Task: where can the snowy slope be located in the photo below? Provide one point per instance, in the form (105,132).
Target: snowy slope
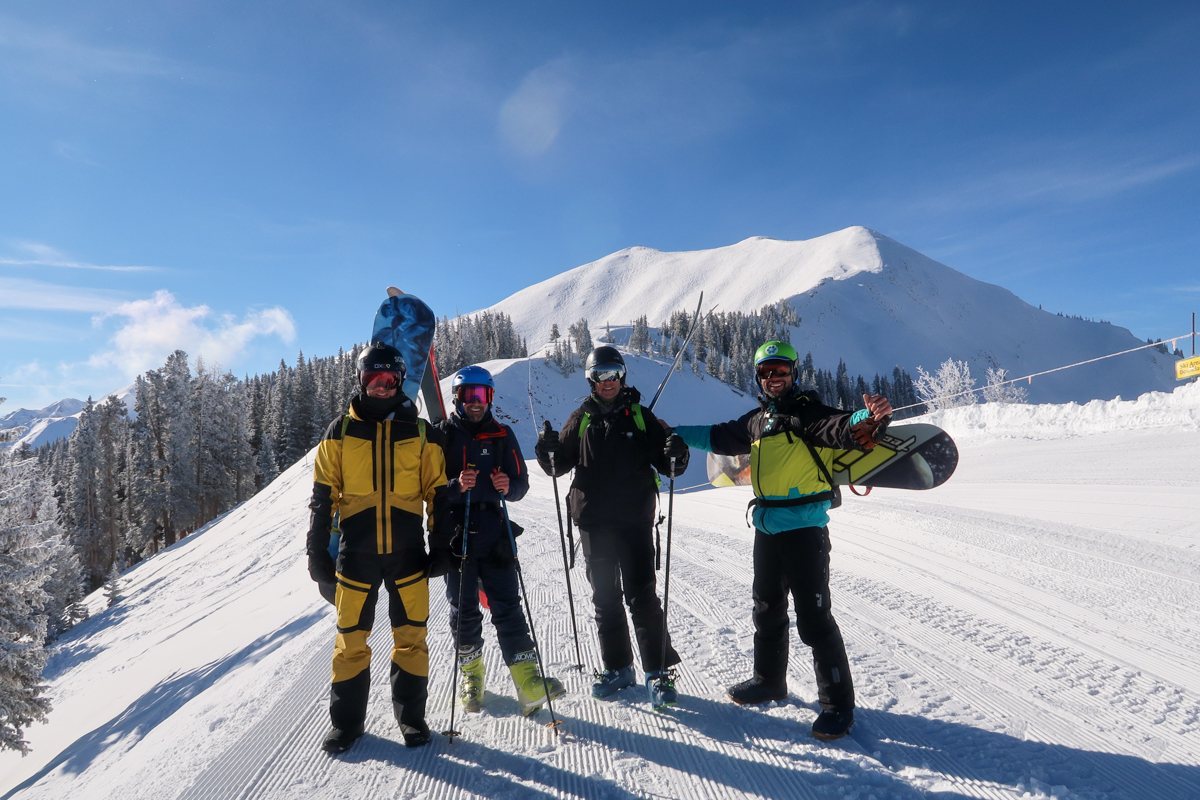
(862,297)
(1030,629)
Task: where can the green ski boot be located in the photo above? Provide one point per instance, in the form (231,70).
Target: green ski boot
(531,688)
(470,665)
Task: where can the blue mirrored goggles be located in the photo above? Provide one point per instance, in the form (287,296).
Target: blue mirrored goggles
(606,372)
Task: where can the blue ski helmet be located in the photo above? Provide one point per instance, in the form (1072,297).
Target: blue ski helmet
(467,379)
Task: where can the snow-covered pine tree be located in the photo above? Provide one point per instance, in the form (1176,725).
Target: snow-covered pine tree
(279,415)
(112,586)
(25,567)
(581,337)
(639,338)
(83,496)
(182,490)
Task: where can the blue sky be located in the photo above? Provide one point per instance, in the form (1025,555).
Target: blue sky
(243,179)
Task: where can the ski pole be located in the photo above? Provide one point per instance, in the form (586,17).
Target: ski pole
(512,541)
(662,665)
(566,567)
(451,733)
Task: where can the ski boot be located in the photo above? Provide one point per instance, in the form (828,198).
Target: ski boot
(339,740)
(612,681)
(470,665)
(531,688)
(661,686)
(830,725)
(416,734)
(756,691)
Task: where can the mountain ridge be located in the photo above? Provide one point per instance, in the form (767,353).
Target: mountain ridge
(864,298)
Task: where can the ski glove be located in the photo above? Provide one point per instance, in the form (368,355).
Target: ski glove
(321,568)
(547,440)
(868,432)
(676,447)
(441,561)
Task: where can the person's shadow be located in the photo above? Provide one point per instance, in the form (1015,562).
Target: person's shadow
(959,759)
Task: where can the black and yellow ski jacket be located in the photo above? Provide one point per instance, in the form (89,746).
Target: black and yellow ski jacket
(378,476)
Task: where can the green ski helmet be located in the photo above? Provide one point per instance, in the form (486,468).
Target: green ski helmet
(776,351)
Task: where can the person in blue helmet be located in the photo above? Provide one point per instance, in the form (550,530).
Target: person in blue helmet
(483,462)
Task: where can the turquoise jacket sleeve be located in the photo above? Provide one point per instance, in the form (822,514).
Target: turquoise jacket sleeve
(696,436)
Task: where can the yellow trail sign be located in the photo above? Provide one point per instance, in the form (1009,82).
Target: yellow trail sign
(1188,368)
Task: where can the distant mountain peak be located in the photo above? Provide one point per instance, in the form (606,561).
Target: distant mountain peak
(862,297)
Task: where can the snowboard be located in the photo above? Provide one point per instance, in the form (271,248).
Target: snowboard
(915,456)
(407,324)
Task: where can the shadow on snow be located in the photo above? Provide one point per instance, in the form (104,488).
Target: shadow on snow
(160,703)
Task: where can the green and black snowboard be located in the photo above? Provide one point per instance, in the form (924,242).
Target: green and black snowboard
(914,456)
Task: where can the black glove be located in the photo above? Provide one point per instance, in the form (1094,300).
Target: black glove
(321,568)
(441,561)
(548,440)
(676,447)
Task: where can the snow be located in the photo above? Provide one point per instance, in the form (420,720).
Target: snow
(56,421)
(862,297)
(1029,629)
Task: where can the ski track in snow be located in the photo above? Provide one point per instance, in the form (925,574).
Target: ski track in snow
(1003,646)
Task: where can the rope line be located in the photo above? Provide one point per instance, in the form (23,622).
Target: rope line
(1044,372)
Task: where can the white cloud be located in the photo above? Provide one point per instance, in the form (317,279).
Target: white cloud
(41,296)
(43,255)
(532,117)
(154,327)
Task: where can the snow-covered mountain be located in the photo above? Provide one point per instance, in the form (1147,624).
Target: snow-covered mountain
(862,297)
(55,421)
(1029,629)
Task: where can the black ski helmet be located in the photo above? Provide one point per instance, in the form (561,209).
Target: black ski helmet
(379,357)
(601,359)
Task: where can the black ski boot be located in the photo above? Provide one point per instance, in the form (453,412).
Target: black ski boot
(415,734)
(339,741)
(755,691)
(830,725)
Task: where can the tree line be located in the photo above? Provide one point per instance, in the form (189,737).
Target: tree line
(723,347)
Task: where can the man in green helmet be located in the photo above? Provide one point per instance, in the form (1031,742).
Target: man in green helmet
(789,438)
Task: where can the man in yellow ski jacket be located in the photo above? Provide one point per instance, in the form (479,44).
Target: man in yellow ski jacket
(378,467)
(789,439)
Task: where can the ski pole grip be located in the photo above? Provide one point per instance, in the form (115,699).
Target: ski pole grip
(547,428)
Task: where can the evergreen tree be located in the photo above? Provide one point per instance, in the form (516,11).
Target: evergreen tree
(26,543)
(581,337)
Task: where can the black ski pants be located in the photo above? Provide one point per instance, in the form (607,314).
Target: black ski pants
(620,561)
(796,562)
(497,571)
(359,577)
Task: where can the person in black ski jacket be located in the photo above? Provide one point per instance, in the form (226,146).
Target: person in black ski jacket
(378,468)
(789,439)
(483,460)
(615,447)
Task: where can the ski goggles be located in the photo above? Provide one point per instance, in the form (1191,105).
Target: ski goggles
(606,372)
(381,379)
(773,369)
(469,395)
